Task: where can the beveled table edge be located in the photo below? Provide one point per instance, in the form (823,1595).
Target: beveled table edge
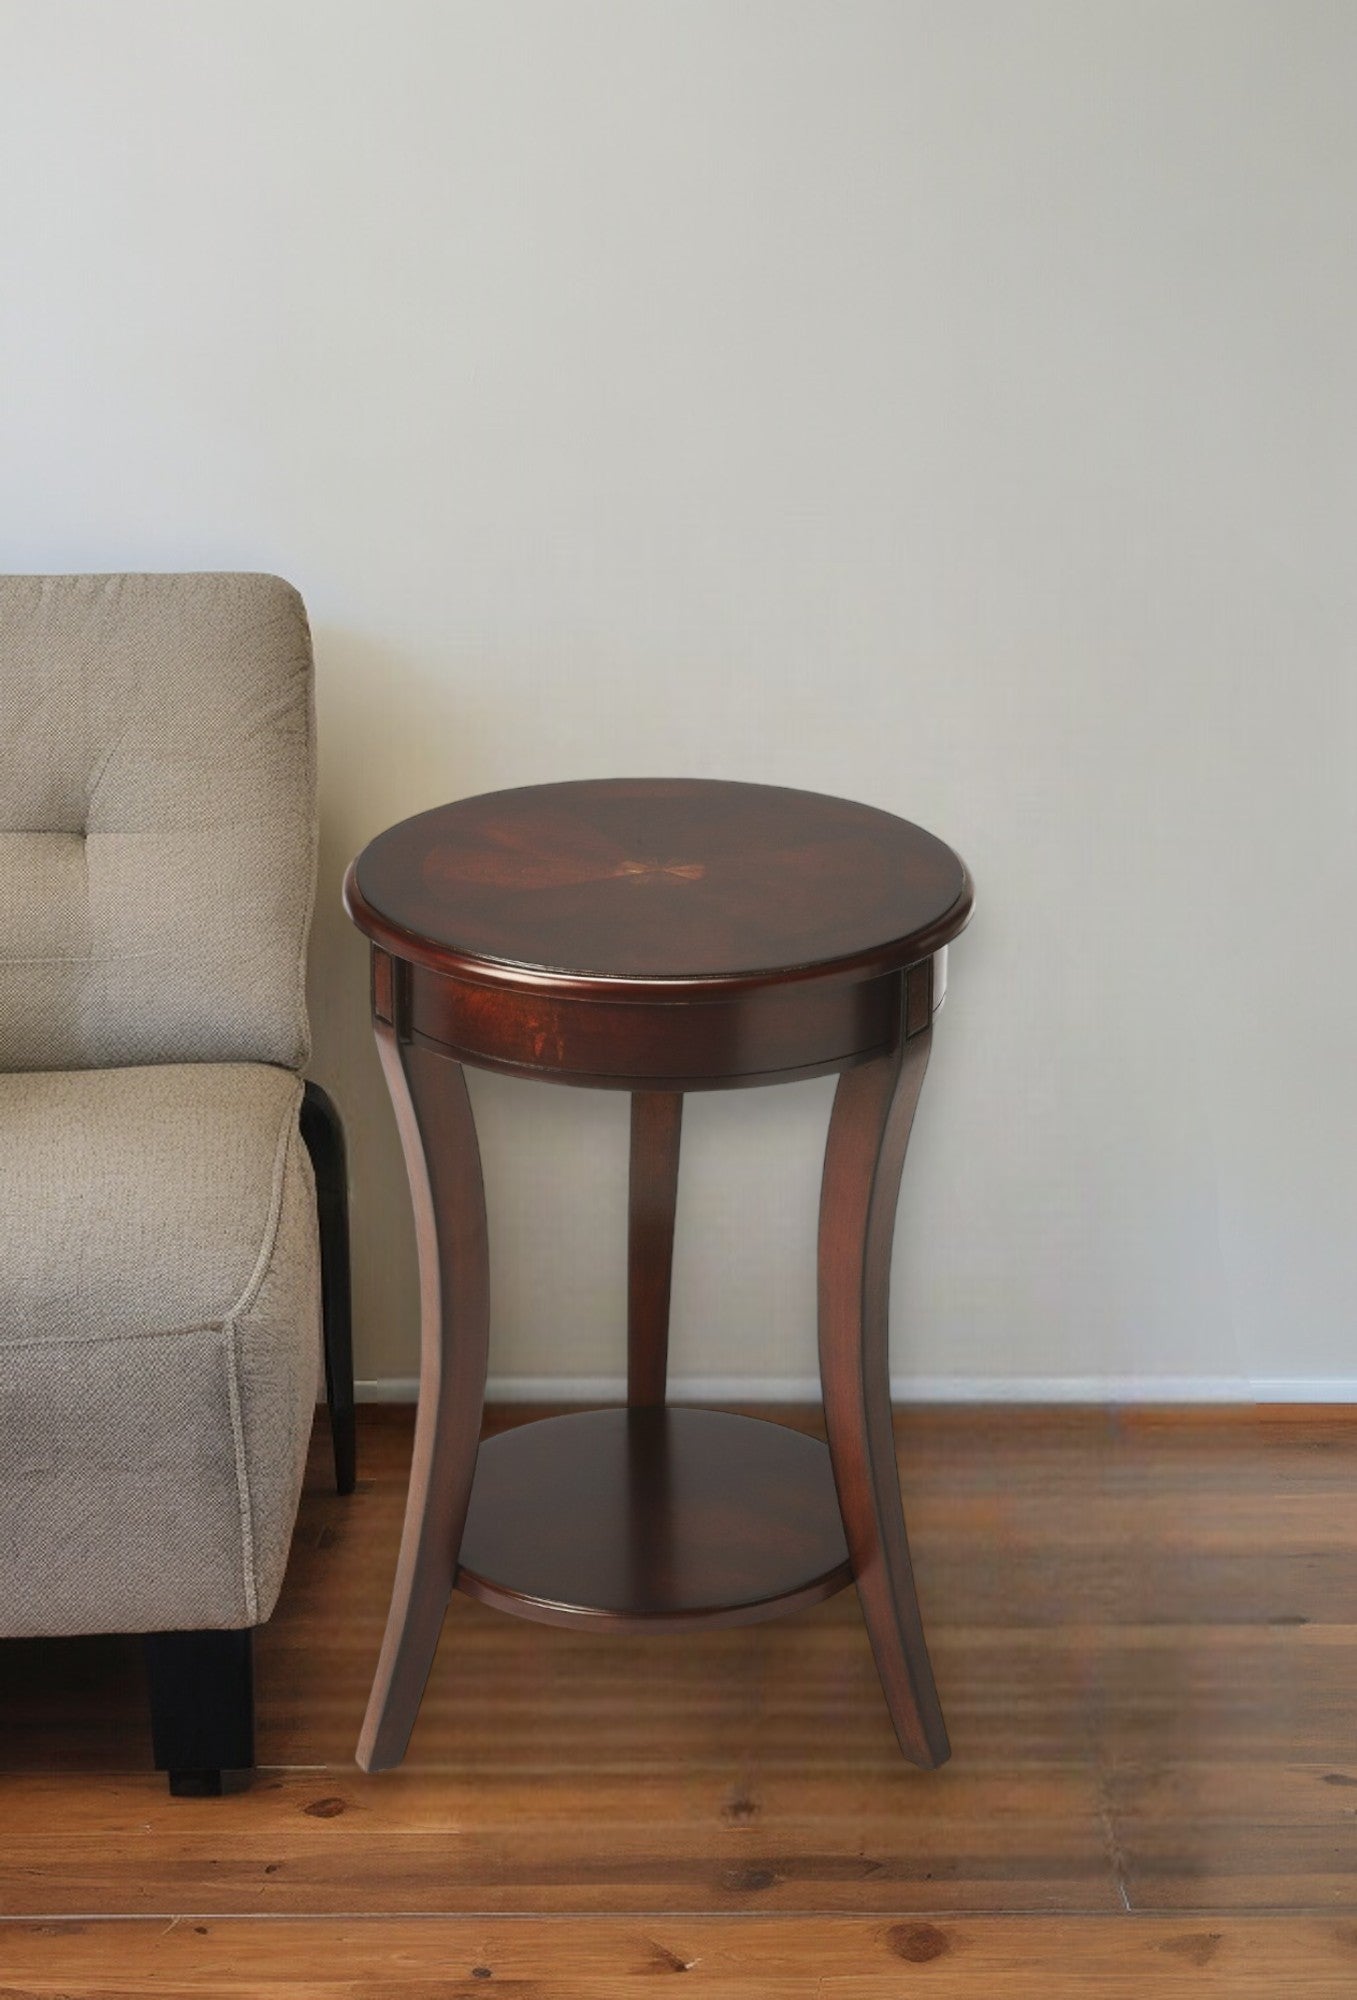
(893,955)
(758,1611)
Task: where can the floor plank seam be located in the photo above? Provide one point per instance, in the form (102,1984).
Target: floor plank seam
(1135,1917)
(1138,1914)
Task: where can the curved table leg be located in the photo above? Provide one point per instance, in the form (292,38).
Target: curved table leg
(656,1122)
(442,1159)
(864,1158)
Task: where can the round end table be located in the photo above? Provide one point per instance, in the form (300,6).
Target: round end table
(655,936)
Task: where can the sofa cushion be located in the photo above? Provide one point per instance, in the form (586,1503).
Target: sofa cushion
(157,820)
(159,1326)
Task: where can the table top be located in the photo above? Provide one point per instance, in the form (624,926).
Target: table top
(657,885)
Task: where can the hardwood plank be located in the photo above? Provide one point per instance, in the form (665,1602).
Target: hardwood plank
(326,1841)
(1188,1694)
(1235,1836)
(808,1958)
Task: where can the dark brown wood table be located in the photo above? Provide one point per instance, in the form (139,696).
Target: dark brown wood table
(655,936)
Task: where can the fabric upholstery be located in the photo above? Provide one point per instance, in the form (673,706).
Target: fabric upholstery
(159,1323)
(159,1269)
(157,820)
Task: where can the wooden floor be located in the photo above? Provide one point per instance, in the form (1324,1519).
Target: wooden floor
(1145,1631)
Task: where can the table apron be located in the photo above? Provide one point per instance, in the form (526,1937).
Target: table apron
(748,1038)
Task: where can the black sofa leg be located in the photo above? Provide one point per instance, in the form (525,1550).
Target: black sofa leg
(324,1136)
(202,1707)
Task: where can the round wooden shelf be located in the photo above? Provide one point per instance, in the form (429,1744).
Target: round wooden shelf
(654,1517)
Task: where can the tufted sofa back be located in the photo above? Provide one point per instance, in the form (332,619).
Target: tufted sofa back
(157,820)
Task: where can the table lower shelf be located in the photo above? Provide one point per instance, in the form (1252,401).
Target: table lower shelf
(646,1519)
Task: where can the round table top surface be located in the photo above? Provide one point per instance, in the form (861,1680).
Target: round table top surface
(657,884)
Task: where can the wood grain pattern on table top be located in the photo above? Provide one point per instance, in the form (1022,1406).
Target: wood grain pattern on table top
(667,885)
(1145,1632)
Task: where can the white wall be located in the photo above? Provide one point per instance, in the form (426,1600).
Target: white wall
(951,405)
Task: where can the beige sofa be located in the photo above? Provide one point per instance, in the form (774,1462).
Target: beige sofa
(160,1262)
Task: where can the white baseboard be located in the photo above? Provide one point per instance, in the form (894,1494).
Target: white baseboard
(591,1389)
